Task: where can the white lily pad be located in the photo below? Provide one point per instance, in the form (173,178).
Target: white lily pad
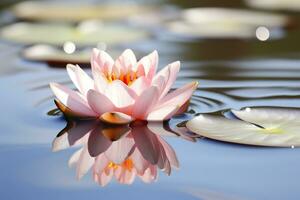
(292,5)
(59,11)
(86,33)
(156,18)
(50,53)
(58,57)
(224,23)
(272,118)
(276,127)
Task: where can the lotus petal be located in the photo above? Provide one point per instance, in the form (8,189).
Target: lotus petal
(119,151)
(149,175)
(179,97)
(147,143)
(163,113)
(139,85)
(169,73)
(125,62)
(120,94)
(147,65)
(74,158)
(85,162)
(72,100)
(98,143)
(145,102)
(101,62)
(99,102)
(81,80)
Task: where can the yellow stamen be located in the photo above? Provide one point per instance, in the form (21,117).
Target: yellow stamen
(127,164)
(133,76)
(109,79)
(114,76)
(121,77)
(112,165)
(127,78)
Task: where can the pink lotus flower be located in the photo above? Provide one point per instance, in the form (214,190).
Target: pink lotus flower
(125,88)
(136,152)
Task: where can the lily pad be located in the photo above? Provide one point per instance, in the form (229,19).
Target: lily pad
(276,127)
(291,5)
(51,54)
(74,12)
(86,33)
(224,23)
(59,57)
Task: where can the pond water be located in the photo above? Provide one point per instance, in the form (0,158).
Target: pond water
(232,74)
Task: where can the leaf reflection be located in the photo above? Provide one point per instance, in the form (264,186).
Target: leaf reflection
(123,152)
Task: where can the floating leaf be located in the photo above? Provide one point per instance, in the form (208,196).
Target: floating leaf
(293,5)
(86,33)
(224,23)
(262,126)
(49,11)
(51,54)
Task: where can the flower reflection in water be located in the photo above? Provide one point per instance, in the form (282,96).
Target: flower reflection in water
(120,151)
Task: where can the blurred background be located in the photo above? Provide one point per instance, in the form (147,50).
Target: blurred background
(189,30)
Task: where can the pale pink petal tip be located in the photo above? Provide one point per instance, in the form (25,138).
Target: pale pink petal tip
(95,51)
(171,104)
(60,143)
(81,80)
(71,101)
(163,113)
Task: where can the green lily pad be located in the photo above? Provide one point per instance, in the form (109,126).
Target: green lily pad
(291,5)
(224,23)
(54,11)
(86,33)
(57,57)
(276,127)
(60,57)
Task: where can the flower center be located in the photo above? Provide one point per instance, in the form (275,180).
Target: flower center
(127,78)
(127,164)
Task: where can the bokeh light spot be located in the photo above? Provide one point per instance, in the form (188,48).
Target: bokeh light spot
(69,47)
(262,33)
